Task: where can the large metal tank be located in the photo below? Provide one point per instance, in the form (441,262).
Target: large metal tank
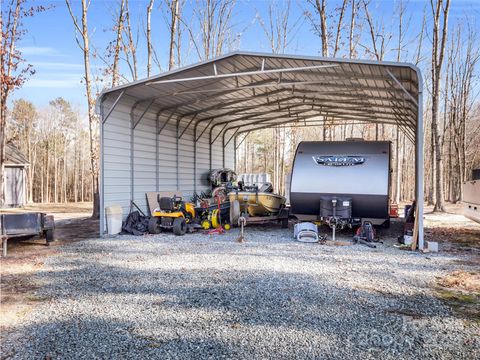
(355,170)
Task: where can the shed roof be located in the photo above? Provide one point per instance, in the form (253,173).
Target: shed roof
(245,91)
(13,156)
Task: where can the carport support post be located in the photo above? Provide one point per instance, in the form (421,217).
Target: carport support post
(132,151)
(235,153)
(223,150)
(102,192)
(195,158)
(210,150)
(419,170)
(176,152)
(157,166)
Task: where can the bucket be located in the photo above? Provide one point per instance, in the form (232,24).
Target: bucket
(113,216)
(432,246)
(407,239)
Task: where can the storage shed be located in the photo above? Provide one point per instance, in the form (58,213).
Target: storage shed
(15,176)
(167,132)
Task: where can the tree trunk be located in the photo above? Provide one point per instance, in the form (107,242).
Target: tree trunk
(65,176)
(323,26)
(55,169)
(75,174)
(149,40)
(437,62)
(174,9)
(92,120)
(339,28)
(9,63)
(431,190)
(351,32)
(3,121)
(118,42)
(47,175)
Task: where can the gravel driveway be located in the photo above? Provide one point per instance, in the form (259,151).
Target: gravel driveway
(196,296)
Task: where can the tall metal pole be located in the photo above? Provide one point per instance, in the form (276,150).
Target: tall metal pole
(419,166)
(157,165)
(102,186)
(177,155)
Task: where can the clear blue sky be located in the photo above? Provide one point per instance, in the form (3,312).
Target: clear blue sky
(50,46)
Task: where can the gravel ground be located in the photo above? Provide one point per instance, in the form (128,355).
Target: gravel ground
(197,296)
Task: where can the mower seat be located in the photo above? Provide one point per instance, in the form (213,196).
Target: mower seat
(166,203)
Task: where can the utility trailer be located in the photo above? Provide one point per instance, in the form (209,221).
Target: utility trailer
(281,217)
(26,226)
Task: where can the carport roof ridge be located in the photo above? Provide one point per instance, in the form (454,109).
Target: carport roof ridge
(245,89)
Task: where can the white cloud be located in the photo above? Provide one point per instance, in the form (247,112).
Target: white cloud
(44,83)
(72,81)
(40,50)
(60,66)
(56,65)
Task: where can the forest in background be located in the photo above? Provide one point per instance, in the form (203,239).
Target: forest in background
(62,144)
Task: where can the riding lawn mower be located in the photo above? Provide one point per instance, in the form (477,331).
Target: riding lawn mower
(172,213)
(180,216)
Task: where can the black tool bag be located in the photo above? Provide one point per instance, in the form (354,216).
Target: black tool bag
(135,224)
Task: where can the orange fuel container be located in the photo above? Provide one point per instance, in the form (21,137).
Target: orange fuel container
(394,210)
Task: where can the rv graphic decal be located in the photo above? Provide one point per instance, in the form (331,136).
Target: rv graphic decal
(338,160)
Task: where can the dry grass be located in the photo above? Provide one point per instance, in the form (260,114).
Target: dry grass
(462,280)
(461,291)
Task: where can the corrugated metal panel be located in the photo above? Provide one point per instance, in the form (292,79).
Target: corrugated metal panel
(116,155)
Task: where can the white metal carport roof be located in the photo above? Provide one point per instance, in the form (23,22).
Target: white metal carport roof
(241,92)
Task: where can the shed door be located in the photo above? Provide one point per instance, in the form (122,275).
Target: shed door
(14,186)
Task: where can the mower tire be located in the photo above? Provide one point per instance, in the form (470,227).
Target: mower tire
(154,225)
(386,224)
(179,226)
(49,236)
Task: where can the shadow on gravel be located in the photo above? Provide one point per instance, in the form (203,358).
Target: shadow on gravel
(205,314)
(98,338)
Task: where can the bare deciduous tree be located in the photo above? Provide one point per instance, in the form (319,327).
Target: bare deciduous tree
(211,32)
(118,42)
(339,28)
(14,72)
(84,45)
(149,37)
(278,28)
(439,9)
(130,43)
(174,16)
(351,43)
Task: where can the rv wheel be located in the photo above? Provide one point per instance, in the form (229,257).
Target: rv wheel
(386,224)
(154,225)
(179,226)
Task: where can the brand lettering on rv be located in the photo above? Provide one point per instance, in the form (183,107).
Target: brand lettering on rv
(338,160)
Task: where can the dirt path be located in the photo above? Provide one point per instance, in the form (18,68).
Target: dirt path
(452,230)
(25,258)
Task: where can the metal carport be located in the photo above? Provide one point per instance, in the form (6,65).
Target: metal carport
(166,132)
